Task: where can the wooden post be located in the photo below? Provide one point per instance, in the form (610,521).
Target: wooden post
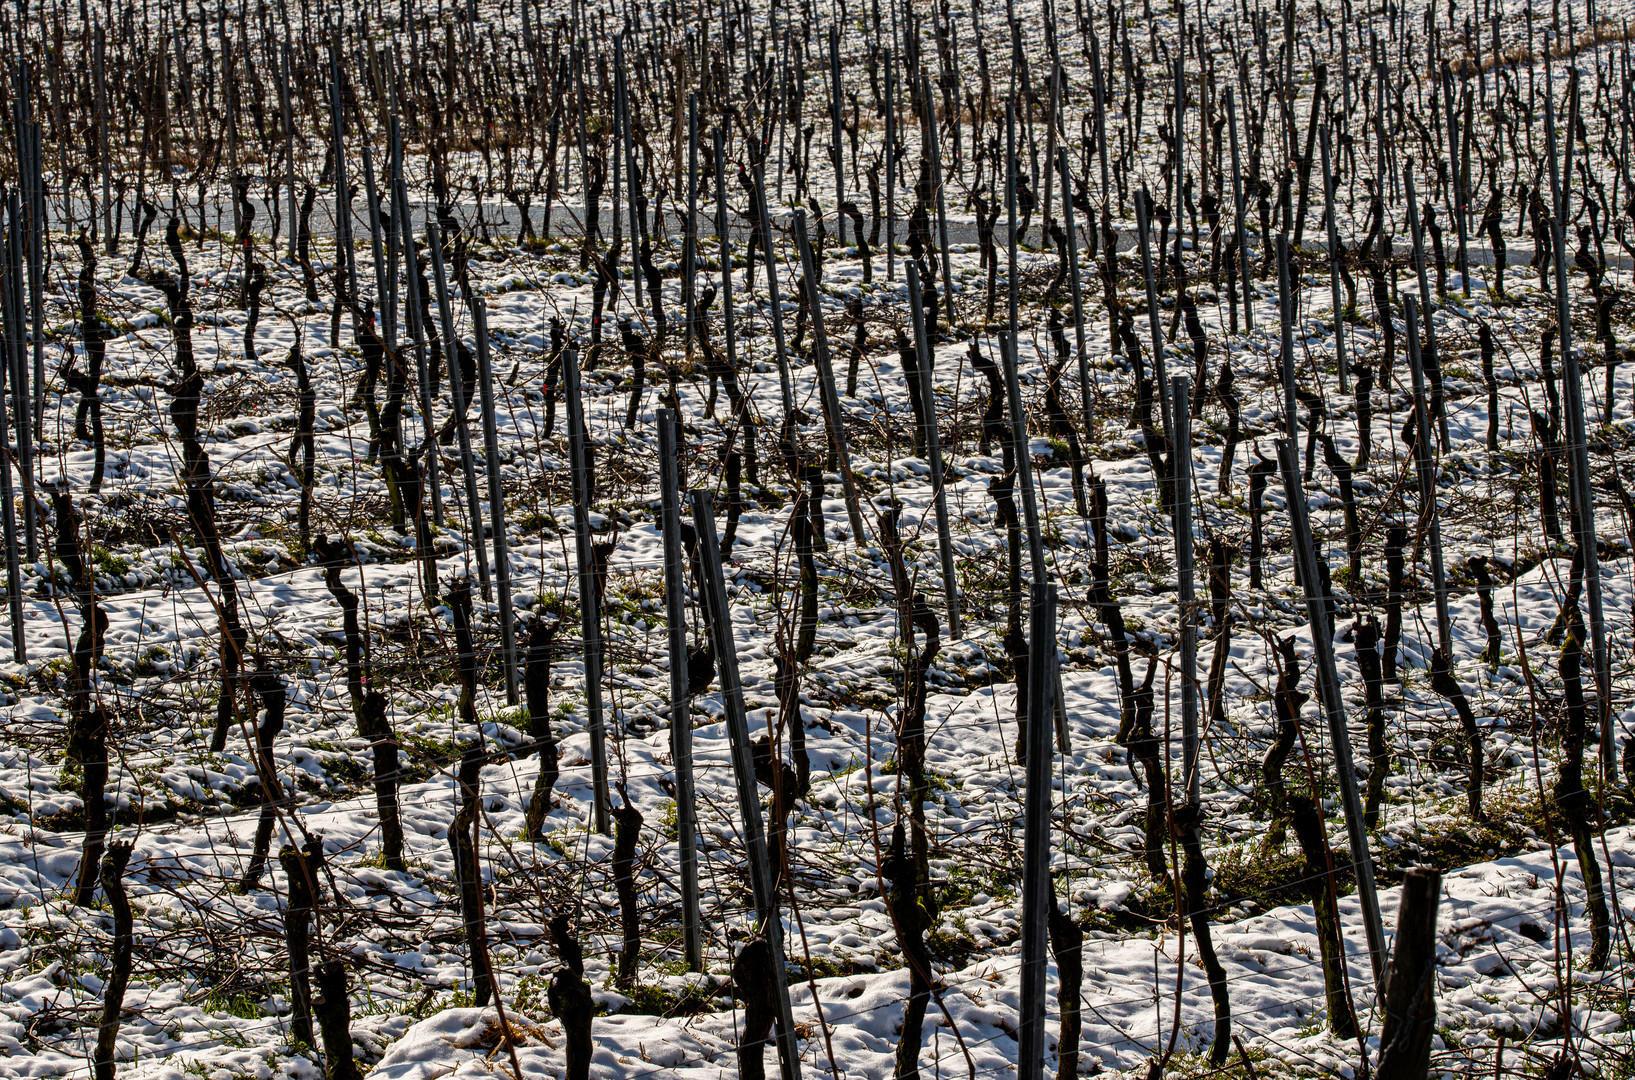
(1180,173)
(1328,690)
(826,379)
(1383,170)
(1186,598)
(1037,895)
(100,75)
(1153,322)
(681,730)
(933,449)
(1186,820)
(1010,217)
(1417,238)
(590,613)
(689,241)
(1238,203)
(13,365)
(932,144)
(1054,109)
(1461,194)
(343,200)
(1428,346)
(1024,460)
(289,148)
(834,129)
(1285,308)
(19,269)
(8,504)
(33,376)
(633,183)
(1333,261)
(782,111)
(1578,445)
(726,253)
(496,499)
(1076,291)
(394,250)
(1430,519)
(371,193)
(462,428)
(1410,993)
(1099,79)
(621,134)
(713,591)
(412,305)
(891,164)
(780,349)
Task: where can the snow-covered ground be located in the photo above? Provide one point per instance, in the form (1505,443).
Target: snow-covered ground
(210,994)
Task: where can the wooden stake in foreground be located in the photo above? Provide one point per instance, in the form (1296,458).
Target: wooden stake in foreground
(713,591)
(1328,691)
(1037,899)
(1410,995)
